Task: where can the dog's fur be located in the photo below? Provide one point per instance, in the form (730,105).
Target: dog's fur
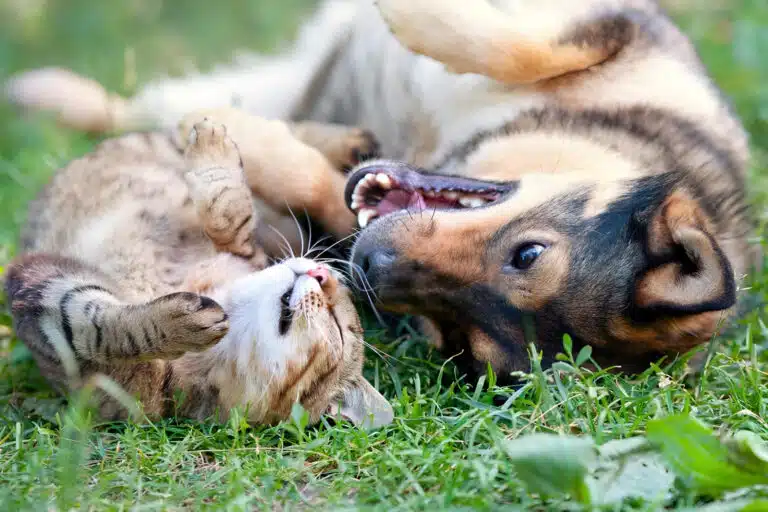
(591,131)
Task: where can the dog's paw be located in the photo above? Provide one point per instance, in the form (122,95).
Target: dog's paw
(359,145)
(78,102)
(409,20)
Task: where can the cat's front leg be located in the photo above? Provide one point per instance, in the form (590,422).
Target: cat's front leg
(62,305)
(288,173)
(218,186)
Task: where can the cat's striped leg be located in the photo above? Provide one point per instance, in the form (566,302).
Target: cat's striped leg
(64,309)
(218,186)
(283,170)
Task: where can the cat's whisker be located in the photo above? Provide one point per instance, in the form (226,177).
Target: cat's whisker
(287,244)
(370,293)
(337,243)
(298,227)
(345,272)
(316,247)
(380,353)
(309,238)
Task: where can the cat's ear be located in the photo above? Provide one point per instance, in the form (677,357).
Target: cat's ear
(361,404)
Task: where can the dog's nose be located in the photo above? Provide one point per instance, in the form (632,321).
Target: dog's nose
(373,263)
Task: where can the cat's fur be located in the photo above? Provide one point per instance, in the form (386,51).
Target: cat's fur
(139,262)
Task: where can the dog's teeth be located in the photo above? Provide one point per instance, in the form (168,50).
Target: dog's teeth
(384,180)
(429,193)
(365,216)
(355,204)
(475,202)
(465,201)
(451,195)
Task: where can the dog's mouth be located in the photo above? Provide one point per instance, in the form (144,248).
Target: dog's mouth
(380,189)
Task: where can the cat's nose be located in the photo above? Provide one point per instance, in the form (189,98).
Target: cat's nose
(320,273)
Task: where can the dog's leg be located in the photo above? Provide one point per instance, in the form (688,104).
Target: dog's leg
(283,171)
(86,105)
(343,146)
(529,43)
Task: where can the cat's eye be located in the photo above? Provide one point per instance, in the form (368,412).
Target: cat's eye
(525,256)
(286,314)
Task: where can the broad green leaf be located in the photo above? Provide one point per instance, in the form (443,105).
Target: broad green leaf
(700,459)
(568,345)
(628,468)
(747,451)
(553,465)
(584,354)
(563,367)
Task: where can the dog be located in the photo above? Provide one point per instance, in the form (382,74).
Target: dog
(550,167)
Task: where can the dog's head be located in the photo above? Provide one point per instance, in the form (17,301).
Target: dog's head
(628,265)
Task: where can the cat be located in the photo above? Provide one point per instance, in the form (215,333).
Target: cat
(140,261)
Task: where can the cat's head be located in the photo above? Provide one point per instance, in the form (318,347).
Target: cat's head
(295,336)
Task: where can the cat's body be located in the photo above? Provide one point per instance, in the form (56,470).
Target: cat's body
(127,270)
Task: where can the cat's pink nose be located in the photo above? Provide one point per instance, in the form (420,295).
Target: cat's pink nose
(320,273)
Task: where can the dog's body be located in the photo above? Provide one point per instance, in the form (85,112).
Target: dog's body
(605,192)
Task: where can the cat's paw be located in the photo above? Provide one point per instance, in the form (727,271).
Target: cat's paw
(188,322)
(224,201)
(210,146)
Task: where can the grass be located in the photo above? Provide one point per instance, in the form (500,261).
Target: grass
(444,449)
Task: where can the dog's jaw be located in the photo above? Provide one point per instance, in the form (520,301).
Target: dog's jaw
(379,188)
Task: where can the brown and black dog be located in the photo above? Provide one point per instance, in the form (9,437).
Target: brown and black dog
(555,166)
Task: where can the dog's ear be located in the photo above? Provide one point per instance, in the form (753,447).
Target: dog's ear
(689,274)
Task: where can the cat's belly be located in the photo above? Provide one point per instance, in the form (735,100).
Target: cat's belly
(147,251)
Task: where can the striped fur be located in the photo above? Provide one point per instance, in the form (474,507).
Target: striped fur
(140,262)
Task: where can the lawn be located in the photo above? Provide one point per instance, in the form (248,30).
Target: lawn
(448,447)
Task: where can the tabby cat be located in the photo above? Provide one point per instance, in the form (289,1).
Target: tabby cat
(140,261)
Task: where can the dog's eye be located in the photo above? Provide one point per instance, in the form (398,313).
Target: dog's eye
(526,255)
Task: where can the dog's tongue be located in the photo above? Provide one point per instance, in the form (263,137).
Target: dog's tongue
(396,200)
